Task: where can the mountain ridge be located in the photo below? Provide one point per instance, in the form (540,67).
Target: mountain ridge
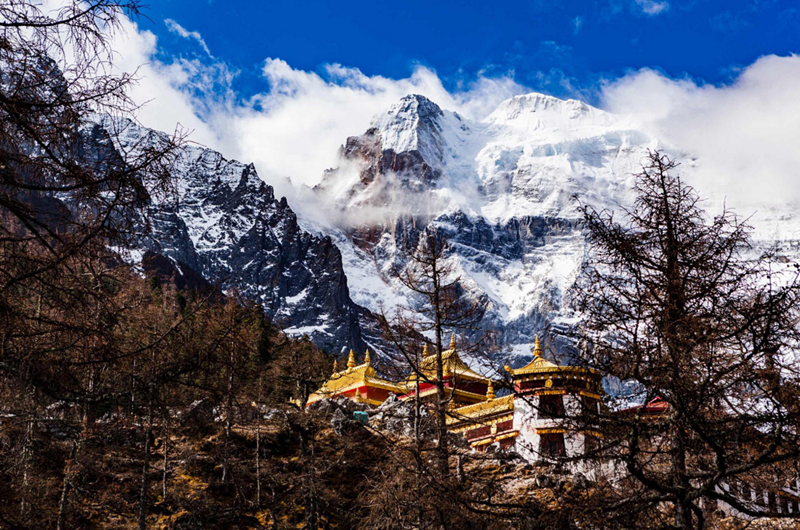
(502,194)
(501,189)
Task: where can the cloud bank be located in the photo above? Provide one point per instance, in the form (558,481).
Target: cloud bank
(295,129)
(743,134)
(291,130)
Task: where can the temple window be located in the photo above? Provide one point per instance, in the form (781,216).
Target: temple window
(552,445)
(772,502)
(590,444)
(551,406)
(759,496)
(589,406)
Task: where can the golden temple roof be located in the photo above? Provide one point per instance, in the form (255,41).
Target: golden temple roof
(481,410)
(537,364)
(540,365)
(452,365)
(355,376)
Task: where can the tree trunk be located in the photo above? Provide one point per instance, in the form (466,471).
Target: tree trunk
(417,406)
(441,402)
(441,412)
(311,505)
(683,511)
(258,458)
(145,468)
(26,460)
(418,440)
(65,485)
(166,459)
(228,424)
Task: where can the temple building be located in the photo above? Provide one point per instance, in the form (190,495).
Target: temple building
(490,422)
(544,393)
(531,419)
(462,385)
(358,382)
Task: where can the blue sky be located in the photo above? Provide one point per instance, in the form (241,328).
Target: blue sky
(560,47)
(283,84)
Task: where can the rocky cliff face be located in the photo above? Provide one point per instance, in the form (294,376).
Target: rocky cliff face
(224,222)
(501,190)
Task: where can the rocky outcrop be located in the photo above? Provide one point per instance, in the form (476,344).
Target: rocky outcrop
(222,225)
(500,190)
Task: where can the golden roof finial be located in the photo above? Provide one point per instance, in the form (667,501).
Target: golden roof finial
(490,391)
(425,350)
(335,366)
(351,361)
(366,357)
(537,348)
(453,341)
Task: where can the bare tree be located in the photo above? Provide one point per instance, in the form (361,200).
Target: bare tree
(445,307)
(679,309)
(68,192)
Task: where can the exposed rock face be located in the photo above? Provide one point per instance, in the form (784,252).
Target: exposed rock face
(404,151)
(225,223)
(414,150)
(501,190)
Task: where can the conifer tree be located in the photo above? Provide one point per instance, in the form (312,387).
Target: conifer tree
(701,330)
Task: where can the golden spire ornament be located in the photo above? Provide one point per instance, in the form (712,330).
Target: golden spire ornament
(425,350)
(351,361)
(453,341)
(537,348)
(366,357)
(335,366)
(490,391)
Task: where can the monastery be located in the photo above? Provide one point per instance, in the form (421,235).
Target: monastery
(527,420)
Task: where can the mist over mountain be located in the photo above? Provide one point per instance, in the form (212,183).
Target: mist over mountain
(504,191)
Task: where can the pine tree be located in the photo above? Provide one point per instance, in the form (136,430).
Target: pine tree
(677,310)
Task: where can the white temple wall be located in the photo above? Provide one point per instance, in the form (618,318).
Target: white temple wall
(527,420)
(525,414)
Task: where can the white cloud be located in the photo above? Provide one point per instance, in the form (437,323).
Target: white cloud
(161,88)
(744,134)
(652,7)
(176,28)
(293,129)
(577,24)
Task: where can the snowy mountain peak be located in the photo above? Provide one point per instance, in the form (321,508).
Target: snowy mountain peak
(535,102)
(537,113)
(501,190)
(412,124)
(414,106)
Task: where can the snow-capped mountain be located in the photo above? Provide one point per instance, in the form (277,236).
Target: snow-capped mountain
(223,222)
(501,189)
